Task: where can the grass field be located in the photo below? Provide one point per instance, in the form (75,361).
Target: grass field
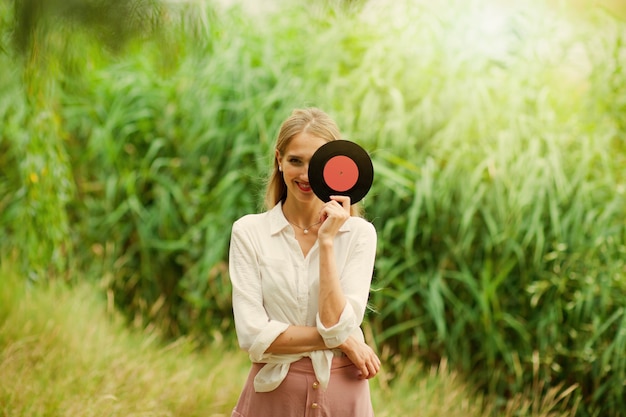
(65,352)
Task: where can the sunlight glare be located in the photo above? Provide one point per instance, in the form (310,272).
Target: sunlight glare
(490,29)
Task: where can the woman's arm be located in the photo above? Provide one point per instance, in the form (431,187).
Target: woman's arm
(297,339)
(331,297)
(255,331)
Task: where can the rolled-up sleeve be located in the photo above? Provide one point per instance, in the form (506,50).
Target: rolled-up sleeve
(355,279)
(338,333)
(255,330)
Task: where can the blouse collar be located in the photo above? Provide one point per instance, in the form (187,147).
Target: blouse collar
(278,221)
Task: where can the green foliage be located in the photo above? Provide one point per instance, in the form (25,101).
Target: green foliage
(12,110)
(113,22)
(36,183)
(499,195)
(501,235)
(179,157)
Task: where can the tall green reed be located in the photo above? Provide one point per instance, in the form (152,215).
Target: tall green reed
(501,172)
(36,174)
(182,152)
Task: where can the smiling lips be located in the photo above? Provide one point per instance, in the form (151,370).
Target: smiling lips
(304,187)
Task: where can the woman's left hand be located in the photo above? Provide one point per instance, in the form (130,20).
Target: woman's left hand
(362,356)
(333,215)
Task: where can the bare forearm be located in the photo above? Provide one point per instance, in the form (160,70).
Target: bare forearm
(297,339)
(331,298)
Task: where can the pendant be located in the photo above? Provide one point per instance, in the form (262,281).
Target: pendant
(306,231)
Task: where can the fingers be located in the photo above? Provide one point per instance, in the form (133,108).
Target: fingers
(333,214)
(363,357)
(343,200)
(369,370)
(374,367)
(338,206)
(369,367)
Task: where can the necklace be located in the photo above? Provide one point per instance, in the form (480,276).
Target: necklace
(304,229)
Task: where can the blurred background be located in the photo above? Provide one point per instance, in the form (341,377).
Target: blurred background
(134,132)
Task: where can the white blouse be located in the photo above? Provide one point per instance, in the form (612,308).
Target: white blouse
(275,285)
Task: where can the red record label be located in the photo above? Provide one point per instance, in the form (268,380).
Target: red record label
(341,173)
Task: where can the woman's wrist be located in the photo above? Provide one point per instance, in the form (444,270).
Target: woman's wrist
(325,242)
(347,345)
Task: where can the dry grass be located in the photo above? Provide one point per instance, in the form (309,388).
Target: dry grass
(63,352)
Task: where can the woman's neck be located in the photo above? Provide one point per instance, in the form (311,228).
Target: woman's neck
(301,214)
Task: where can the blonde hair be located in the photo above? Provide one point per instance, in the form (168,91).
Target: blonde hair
(314,122)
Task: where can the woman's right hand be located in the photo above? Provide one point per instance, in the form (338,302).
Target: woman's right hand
(333,215)
(362,356)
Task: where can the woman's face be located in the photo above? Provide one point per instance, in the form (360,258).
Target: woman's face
(295,165)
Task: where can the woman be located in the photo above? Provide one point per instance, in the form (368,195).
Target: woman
(301,273)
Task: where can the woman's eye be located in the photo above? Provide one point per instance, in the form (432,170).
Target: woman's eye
(294,161)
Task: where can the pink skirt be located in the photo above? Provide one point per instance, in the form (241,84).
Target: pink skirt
(300,395)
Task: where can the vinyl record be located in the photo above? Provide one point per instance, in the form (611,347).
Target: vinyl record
(341,167)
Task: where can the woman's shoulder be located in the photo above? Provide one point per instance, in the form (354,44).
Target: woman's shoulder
(259,224)
(252,220)
(362,225)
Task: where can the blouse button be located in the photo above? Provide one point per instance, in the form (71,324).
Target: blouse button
(315,405)
(316,385)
